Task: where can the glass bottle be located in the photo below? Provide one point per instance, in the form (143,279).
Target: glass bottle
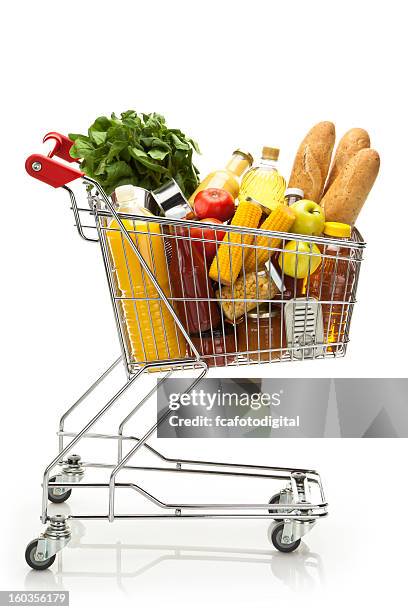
(293,194)
(333,282)
(228,177)
(190,283)
(263,182)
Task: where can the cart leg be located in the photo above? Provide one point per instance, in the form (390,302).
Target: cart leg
(74,441)
(83,397)
(40,553)
(142,440)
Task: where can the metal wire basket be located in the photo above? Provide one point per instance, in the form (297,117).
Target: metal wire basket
(264,316)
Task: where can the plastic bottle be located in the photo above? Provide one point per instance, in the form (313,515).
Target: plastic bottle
(190,282)
(333,282)
(152,332)
(228,177)
(263,182)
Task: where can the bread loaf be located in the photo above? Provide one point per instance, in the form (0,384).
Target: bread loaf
(347,194)
(352,142)
(312,161)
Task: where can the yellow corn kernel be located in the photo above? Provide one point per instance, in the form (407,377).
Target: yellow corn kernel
(227,263)
(280,220)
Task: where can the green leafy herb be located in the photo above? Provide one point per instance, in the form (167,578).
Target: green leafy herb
(137,149)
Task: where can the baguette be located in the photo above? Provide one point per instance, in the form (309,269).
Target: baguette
(312,160)
(346,196)
(352,142)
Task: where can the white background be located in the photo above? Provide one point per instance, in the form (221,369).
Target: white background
(228,74)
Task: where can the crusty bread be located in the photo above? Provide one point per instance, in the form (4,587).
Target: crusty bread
(312,160)
(352,142)
(346,196)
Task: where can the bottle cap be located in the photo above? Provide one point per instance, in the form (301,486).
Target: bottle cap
(337,230)
(270,153)
(294,191)
(125,193)
(244,154)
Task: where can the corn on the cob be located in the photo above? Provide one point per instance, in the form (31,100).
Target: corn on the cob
(280,220)
(227,263)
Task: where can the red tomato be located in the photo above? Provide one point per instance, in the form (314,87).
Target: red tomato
(208,234)
(215,204)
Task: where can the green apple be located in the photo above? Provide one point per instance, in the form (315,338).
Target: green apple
(299,259)
(309,218)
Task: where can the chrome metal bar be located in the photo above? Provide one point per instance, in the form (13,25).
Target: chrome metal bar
(78,222)
(135,409)
(77,438)
(84,396)
(140,443)
(104,517)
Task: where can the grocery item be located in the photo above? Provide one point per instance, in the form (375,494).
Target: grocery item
(312,161)
(304,328)
(138,149)
(281,219)
(347,194)
(208,238)
(262,334)
(171,201)
(151,330)
(228,177)
(352,142)
(189,281)
(219,342)
(293,194)
(214,203)
(256,286)
(299,259)
(263,182)
(228,261)
(309,218)
(333,282)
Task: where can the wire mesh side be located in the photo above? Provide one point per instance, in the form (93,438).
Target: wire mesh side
(296,302)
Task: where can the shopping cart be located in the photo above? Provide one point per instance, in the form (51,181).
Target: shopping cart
(192,326)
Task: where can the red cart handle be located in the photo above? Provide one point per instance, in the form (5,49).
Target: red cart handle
(51,171)
(62,146)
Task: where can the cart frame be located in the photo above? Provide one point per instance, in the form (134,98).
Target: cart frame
(292,507)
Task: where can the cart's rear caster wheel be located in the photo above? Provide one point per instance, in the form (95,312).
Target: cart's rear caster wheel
(275,500)
(33,562)
(277,540)
(55,498)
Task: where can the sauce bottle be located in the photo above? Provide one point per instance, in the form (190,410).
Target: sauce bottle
(228,178)
(150,328)
(263,182)
(333,282)
(190,282)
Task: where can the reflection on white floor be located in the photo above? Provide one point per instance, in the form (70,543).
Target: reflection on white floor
(298,571)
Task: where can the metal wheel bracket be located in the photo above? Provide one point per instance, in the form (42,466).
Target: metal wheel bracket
(72,472)
(294,530)
(55,538)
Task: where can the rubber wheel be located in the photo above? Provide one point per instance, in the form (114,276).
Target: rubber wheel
(58,499)
(32,561)
(277,540)
(275,500)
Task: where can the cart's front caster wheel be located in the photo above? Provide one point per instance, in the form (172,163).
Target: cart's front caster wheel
(33,561)
(275,500)
(279,544)
(55,497)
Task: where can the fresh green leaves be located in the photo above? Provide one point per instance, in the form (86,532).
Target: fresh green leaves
(138,149)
